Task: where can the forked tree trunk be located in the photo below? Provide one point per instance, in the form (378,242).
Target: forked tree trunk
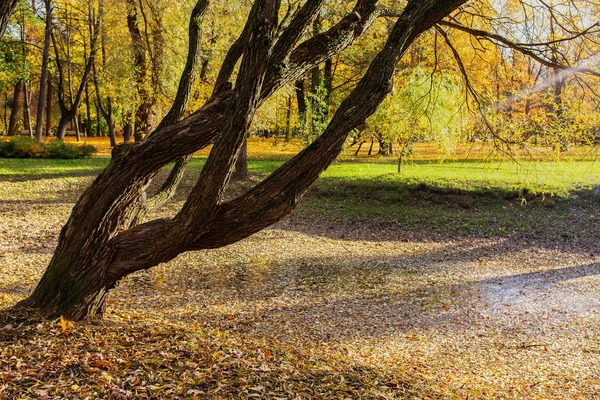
(97,247)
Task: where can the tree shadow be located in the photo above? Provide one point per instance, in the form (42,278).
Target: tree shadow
(353,297)
(53,175)
(545,278)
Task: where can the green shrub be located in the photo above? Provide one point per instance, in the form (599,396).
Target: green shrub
(24,147)
(62,150)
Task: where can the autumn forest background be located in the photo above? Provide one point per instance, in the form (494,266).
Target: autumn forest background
(502,79)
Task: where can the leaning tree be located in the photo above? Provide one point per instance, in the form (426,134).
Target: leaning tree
(104,239)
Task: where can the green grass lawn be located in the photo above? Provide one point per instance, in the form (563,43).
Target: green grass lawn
(505,179)
(493,198)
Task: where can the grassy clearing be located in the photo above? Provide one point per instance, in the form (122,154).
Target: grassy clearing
(489,198)
(379,286)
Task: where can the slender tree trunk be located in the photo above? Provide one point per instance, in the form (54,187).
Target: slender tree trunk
(88,110)
(288,120)
(5,105)
(328,76)
(27,110)
(127,127)
(13,125)
(110,120)
(108,112)
(241,165)
(360,145)
(302,106)
(142,112)
(75,121)
(49,110)
(69,111)
(98,124)
(39,122)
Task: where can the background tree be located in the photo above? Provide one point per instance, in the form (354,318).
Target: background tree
(424,107)
(68,101)
(39,121)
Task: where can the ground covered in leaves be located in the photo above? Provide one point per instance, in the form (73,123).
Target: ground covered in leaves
(320,306)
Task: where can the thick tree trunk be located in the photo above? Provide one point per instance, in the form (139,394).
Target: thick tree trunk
(63,125)
(13,124)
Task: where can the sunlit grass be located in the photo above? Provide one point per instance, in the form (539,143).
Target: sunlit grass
(537,178)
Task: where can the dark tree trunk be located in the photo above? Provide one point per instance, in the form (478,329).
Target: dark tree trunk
(110,120)
(5,111)
(143,110)
(27,110)
(98,124)
(39,122)
(328,85)
(107,112)
(13,124)
(288,120)
(49,110)
(360,145)
(127,127)
(96,249)
(178,109)
(63,124)
(302,106)
(241,164)
(190,71)
(88,112)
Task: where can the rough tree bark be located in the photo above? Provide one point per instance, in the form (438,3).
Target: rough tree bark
(96,249)
(6,9)
(13,124)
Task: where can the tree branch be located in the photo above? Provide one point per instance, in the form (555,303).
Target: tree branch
(515,46)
